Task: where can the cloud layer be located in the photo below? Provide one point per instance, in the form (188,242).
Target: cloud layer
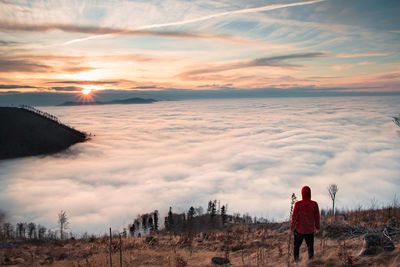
(249,153)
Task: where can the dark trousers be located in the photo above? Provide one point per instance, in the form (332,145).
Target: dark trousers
(298,239)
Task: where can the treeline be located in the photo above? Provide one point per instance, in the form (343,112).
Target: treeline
(33,231)
(53,118)
(26,231)
(144,223)
(194,220)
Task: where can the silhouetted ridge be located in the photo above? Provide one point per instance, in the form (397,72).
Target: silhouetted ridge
(396,120)
(27,131)
(135,100)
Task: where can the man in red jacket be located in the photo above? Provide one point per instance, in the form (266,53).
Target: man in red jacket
(305,219)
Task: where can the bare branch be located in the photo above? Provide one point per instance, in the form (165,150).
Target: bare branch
(333,189)
(63,222)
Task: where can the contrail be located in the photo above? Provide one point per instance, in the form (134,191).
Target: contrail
(216,15)
(101,36)
(226,13)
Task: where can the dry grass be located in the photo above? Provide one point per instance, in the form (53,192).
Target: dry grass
(243,244)
(370,217)
(245,247)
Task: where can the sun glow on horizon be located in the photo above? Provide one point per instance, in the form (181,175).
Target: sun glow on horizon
(86,91)
(92,75)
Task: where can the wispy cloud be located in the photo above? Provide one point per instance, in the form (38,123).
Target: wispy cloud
(349,66)
(142,29)
(8,43)
(276,61)
(77,69)
(146,87)
(362,55)
(215,86)
(13,86)
(78,59)
(22,65)
(390,76)
(36,63)
(107,32)
(86,82)
(66,88)
(233,12)
(104,32)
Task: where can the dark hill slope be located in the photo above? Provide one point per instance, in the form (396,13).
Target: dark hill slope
(26,132)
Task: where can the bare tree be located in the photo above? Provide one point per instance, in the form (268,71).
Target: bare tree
(289,243)
(333,189)
(32,230)
(21,228)
(41,231)
(8,230)
(63,222)
(2,216)
(199,211)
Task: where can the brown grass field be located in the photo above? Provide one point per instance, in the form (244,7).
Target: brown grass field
(243,244)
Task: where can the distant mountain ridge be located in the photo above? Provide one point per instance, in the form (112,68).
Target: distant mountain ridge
(134,100)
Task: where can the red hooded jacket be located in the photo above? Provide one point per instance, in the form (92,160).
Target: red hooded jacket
(305,215)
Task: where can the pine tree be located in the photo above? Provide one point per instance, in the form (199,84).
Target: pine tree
(190,218)
(166,224)
(137,223)
(155,218)
(191,213)
(144,222)
(132,229)
(151,224)
(223,215)
(213,208)
(209,207)
(169,220)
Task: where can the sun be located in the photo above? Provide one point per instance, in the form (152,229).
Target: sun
(86,91)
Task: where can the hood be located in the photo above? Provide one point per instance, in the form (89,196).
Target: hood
(306,193)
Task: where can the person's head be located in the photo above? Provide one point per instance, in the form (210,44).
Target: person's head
(306,193)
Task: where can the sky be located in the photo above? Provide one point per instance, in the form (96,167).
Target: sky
(249,153)
(59,48)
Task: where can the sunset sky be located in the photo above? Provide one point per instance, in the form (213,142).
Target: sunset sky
(229,45)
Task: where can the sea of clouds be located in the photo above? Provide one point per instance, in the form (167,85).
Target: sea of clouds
(249,153)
